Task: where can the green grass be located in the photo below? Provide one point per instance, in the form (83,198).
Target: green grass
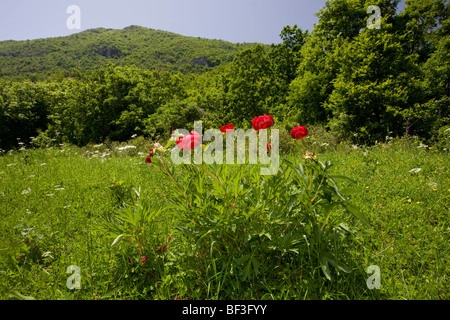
(52,201)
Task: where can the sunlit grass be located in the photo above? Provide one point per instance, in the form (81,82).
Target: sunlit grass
(51,201)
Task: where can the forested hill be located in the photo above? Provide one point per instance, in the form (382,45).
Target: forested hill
(88,50)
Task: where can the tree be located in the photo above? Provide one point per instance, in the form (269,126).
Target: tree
(250,86)
(376,89)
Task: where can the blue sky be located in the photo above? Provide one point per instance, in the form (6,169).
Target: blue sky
(230,20)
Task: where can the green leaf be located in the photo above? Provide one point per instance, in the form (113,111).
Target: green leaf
(332,259)
(338,177)
(325,268)
(18,296)
(355,211)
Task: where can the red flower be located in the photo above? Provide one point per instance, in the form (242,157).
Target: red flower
(189,141)
(168,240)
(144,259)
(163,248)
(262,122)
(299,132)
(149,157)
(226,127)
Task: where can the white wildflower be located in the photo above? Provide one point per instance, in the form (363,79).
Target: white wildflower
(433,185)
(415,170)
(126,147)
(159,147)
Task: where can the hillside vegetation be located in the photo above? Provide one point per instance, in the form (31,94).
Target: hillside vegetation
(362,83)
(94,48)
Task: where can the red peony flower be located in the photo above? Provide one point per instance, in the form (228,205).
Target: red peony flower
(226,127)
(189,141)
(262,122)
(149,157)
(163,248)
(299,132)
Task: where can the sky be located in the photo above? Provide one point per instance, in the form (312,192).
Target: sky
(230,20)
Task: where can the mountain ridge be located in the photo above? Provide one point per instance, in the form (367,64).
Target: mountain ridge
(146,48)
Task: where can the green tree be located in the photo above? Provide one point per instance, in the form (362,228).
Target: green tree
(250,86)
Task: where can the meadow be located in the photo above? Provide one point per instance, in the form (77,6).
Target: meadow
(65,205)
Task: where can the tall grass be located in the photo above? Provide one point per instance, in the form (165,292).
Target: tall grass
(53,202)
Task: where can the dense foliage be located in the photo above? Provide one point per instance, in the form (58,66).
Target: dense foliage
(363,84)
(88,50)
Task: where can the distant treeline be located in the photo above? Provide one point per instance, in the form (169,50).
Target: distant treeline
(362,83)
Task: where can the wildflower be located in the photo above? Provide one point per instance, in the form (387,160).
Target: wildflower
(309,155)
(433,185)
(409,200)
(126,147)
(163,248)
(149,157)
(262,122)
(227,127)
(189,141)
(415,170)
(159,147)
(299,132)
(144,259)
